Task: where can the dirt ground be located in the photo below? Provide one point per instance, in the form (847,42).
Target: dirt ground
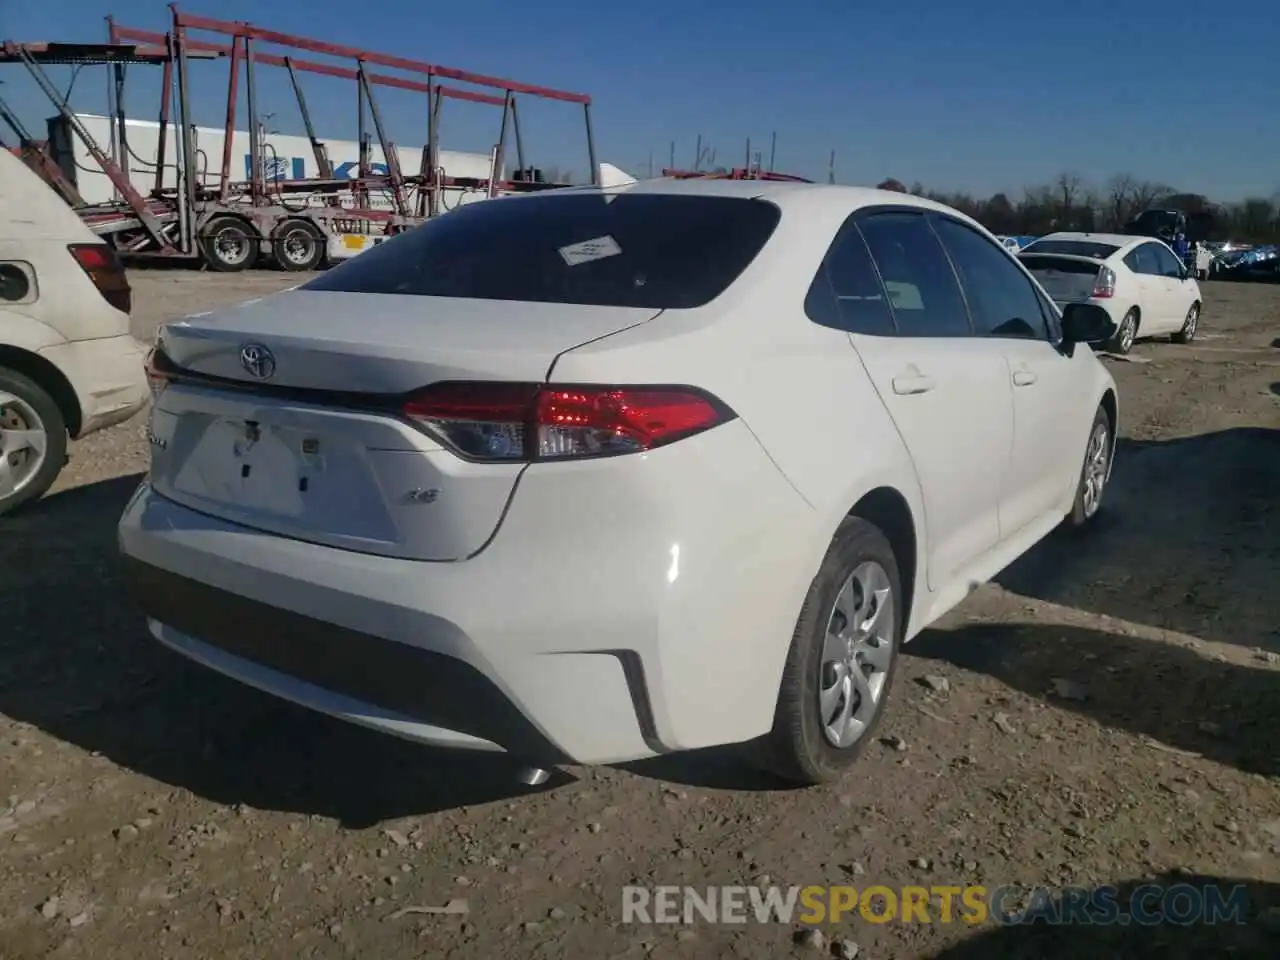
(1107,712)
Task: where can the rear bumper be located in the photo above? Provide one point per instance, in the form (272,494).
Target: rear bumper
(603,623)
(108,376)
(334,669)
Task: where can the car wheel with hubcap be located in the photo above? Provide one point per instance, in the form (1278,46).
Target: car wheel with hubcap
(299,246)
(1126,333)
(229,244)
(1095,472)
(1188,331)
(33,440)
(842,659)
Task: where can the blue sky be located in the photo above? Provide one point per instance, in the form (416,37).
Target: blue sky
(974,96)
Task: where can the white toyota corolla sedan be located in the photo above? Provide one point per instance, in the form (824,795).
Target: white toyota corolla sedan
(1139,281)
(593,475)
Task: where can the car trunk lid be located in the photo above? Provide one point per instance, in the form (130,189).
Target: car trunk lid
(386,343)
(314,448)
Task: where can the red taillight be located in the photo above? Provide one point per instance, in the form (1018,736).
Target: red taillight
(528,421)
(1105,285)
(106,271)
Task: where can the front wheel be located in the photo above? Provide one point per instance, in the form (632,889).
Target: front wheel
(1094,473)
(842,659)
(33,440)
(1126,333)
(1188,331)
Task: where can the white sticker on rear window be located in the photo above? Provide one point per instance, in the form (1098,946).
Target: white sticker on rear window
(588,250)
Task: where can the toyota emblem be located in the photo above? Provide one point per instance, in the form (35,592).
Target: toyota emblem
(258,361)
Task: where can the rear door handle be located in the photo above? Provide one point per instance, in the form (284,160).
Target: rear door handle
(1024,378)
(909,386)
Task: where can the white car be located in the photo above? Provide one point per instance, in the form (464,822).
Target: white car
(68,365)
(1139,281)
(593,475)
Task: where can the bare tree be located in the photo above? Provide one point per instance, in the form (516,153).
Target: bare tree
(1067,188)
(1119,199)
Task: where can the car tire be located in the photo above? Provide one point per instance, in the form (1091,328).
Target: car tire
(1095,471)
(1188,331)
(229,244)
(1125,335)
(818,686)
(25,406)
(298,246)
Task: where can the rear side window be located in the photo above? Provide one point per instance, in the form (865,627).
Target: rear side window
(917,276)
(1002,301)
(625,249)
(1167,261)
(1143,260)
(846,293)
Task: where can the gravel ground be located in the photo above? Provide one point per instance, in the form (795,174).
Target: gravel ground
(1103,714)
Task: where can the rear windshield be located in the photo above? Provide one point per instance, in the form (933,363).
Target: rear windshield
(622,250)
(1058,264)
(1074,248)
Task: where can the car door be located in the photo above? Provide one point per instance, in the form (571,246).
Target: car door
(1047,386)
(1179,288)
(947,391)
(1153,292)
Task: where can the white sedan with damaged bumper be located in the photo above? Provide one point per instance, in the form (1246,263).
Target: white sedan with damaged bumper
(598,474)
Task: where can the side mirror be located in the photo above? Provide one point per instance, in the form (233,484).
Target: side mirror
(1086,323)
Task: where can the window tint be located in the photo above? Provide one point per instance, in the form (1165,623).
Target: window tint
(847,292)
(917,277)
(1167,263)
(1051,314)
(1002,301)
(623,249)
(1142,260)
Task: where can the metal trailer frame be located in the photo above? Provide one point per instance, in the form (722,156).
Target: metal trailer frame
(189,221)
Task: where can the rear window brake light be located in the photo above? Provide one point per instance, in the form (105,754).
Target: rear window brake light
(106,271)
(522,422)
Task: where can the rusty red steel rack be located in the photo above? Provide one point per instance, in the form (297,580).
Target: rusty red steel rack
(178,221)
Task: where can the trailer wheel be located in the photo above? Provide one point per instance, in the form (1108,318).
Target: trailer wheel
(229,245)
(298,246)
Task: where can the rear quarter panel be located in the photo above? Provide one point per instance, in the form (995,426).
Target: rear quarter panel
(67,301)
(798,387)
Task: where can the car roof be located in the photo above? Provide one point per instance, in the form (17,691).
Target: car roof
(787,194)
(1119,240)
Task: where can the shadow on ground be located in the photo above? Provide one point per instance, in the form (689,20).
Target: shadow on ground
(1249,934)
(76,662)
(1188,540)
(1171,694)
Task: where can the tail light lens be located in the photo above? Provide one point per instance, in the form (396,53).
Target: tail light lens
(160,370)
(1105,285)
(106,271)
(527,421)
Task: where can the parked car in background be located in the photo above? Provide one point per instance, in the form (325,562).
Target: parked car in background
(68,365)
(1257,264)
(598,474)
(1140,282)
